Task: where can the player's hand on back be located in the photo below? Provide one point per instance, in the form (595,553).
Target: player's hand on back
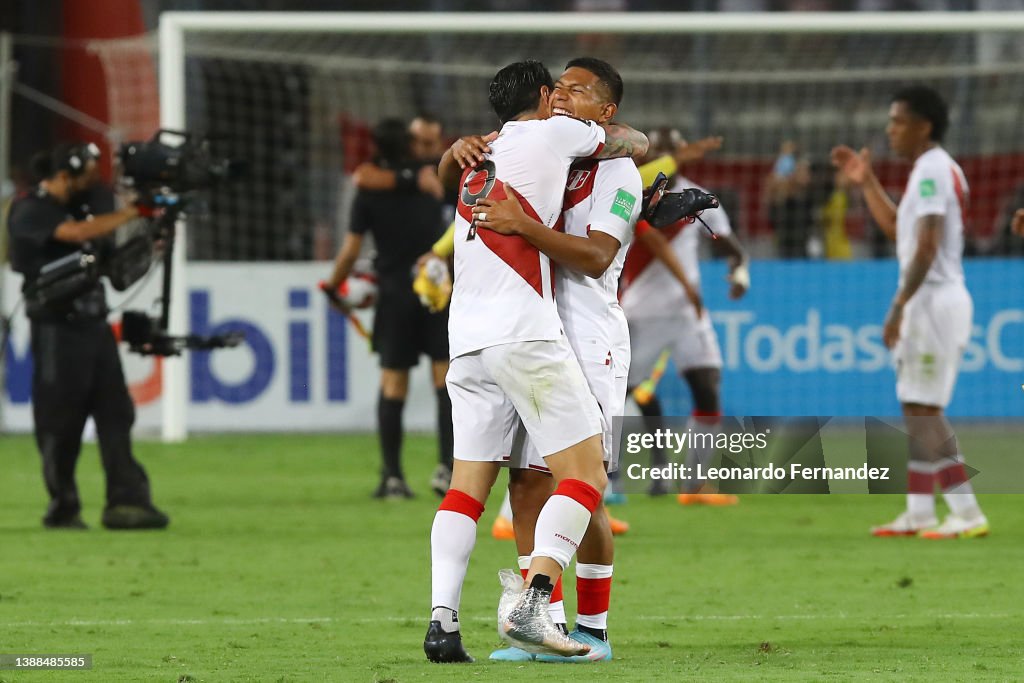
(854,165)
(504,216)
(469,151)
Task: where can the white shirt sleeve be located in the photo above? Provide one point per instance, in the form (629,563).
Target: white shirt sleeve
(932,189)
(573,138)
(617,194)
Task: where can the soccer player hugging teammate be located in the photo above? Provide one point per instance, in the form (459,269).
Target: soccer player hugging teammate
(599,209)
(662,301)
(929,320)
(511,360)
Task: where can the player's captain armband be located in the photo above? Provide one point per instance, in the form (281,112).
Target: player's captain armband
(622,205)
(445,246)
(927,188)
(650,170)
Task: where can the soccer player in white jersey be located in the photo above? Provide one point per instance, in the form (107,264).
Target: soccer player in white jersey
(511,361)
(663,305)
(601,204)
(929,320)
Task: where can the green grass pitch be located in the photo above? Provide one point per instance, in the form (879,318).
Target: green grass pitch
(279,567)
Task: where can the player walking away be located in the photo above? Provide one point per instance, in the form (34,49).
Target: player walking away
(510,359)
(662,301)
(404,225)
(929,321)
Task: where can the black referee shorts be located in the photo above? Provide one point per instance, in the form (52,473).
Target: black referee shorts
(403,328)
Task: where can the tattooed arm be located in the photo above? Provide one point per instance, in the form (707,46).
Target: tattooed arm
(622,141)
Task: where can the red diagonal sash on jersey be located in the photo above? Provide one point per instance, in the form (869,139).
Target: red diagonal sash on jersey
(639,256)
(520,255)
(580,184)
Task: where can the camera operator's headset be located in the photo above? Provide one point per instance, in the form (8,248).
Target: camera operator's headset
(73,158)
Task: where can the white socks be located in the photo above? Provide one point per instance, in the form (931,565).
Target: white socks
(564,520)
(452,538)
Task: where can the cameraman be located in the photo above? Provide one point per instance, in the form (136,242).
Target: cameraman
(404,225)
(76,367)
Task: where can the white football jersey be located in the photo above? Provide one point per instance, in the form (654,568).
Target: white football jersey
(937,187)
(649,289)
(603,196)
(503,288)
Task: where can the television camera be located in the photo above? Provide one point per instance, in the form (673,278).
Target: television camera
(167,178)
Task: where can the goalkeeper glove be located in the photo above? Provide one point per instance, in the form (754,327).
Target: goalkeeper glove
(433,284)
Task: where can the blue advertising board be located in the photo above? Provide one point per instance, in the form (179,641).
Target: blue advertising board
(807,340)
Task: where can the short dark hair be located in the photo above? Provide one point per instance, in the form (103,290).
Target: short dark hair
(605,72)
(927,104)
(65,156)
(393,140)
(516,88)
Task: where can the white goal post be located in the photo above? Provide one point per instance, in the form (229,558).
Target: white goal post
(176,28)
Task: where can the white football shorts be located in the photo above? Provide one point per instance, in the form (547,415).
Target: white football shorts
(935,330)
(606,378)
(692,342)
(538,382)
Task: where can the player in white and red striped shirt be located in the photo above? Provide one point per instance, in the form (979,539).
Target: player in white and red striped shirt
(511,360)
(661,298)
(929,321)
(602,201)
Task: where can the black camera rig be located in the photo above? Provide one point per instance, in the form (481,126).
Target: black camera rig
(167,178)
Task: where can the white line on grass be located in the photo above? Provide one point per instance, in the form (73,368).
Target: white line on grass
(228,621)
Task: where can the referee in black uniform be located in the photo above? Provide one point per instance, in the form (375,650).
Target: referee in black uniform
(76,367)
(405,223)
